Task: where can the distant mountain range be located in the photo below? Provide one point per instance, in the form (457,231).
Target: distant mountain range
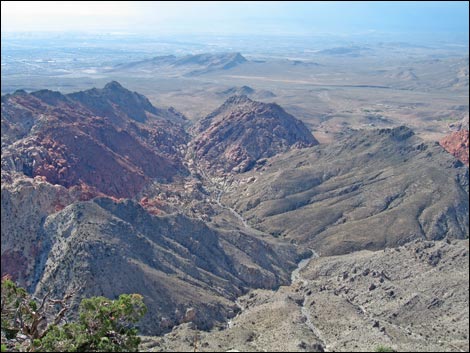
(189,65)
(247,91)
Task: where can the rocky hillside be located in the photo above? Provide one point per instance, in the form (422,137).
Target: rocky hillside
(242,131)
(369,190)
(110,140)
(410,299)
(61,150)
(25,203)
(186,270)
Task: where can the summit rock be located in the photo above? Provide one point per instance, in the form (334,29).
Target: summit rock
(242,131)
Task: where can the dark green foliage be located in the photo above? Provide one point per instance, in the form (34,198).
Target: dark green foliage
(384,349)
(104,325)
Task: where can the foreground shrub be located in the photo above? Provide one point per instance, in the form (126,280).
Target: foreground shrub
(103,325)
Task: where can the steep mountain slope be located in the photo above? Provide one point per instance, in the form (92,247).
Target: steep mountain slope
(241,132)
(180,265)
(369,190)
(111,140)
(61,150)
(25,203)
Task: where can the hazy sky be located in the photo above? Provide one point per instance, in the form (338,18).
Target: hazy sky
(236,17)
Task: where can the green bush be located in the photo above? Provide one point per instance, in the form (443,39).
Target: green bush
(384,349)
(103,325)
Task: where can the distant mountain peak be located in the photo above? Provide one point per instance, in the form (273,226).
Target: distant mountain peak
(114,85)
(20,92)
(163,57)
(237,91)
(238,99)
(49,97)
(239,57)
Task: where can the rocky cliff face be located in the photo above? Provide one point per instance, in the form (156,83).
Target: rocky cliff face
(242,131)
(176,263)
(25,203)
(95,138)
(456,143)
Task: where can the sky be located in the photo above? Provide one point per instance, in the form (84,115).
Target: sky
(225,18)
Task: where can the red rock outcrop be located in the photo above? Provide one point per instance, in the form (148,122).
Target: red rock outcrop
(111,141)
(243,131)
(457,143)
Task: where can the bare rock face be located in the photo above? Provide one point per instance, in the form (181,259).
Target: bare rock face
(185,270)
(242,131)
(96,138)
(457,144)
(25,204)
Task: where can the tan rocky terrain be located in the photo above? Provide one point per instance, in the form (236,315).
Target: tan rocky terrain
(411,298)
(369,190)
